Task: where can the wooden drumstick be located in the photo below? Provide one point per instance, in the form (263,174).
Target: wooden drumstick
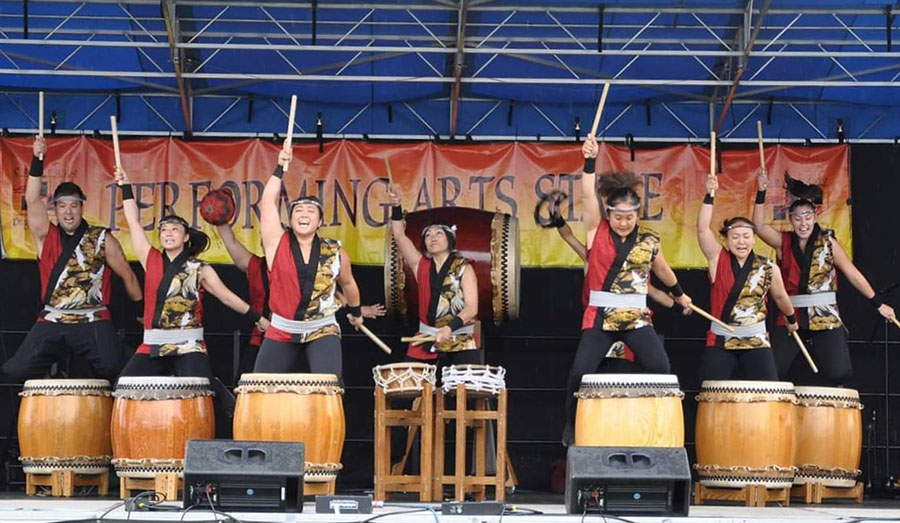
(599,110)
(423,338)
(895,322)
(290,130)
(41,118)
(115,137)
(711,318)
(712,158)
(381,345)
(805,352)
(759,139)
(390,174)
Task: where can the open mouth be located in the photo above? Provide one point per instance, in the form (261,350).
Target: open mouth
(303,222)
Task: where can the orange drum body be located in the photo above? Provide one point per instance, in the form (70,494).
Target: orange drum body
(64,425)
(153,418)
(745,433)
(629,410)
(305,408)
(829,436)
(490,241)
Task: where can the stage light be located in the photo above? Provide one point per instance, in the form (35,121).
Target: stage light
(53,120)
(365,136)
(840,130)
(509,113)
(629,141)
(577,129)
(96,133)
(469,137)
(807,143)
(319,132)
(4,132)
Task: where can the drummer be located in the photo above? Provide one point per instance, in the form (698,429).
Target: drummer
(740,282)
(447,291)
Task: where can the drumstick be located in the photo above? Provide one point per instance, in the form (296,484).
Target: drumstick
(711,318)
(599,110)
(290,129)
(115,137)
(759,139)
(895,322)
(805,352)
(422,338)
(41,118)
(387,165)
(712,158)
(381,345)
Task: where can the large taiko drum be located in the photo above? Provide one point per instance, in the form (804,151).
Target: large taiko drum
(153,418)
(629,410)
(305,408)
(490,241)
(745,433)
(64,425)
(829,436)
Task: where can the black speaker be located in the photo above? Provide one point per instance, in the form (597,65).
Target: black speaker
(628,481)
(244,475)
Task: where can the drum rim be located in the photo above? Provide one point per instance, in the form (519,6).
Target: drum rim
(298,378)
(472,366)
(630,379)
(65,383)
(407,365)
(748,385)
(826,392)
(167,382)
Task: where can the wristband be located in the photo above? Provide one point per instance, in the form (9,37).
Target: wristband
(279,171)
(708,199)
(127,192)
(456,323)
(252,315)
(676,290)
(355,310)
(37,167)
(396,213)
(876,301)
(791,318)
(590,165)
(760,197)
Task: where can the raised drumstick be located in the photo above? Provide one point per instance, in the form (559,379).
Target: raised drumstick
(290,130)
(41,118)
(759,139)
(712,158)
(599,110)
(390,174)
(115,136)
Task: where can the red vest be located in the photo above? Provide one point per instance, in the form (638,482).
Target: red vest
(50,252)
(258,292)
(153,276)
(601,255)
(719,291)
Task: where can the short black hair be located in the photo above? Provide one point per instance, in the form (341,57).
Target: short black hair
(68,189)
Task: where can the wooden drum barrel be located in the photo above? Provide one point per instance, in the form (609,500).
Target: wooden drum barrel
(153,418)
(745,433)
(305,408)
(629,410)
(64,425)
(829,436)
(490,241)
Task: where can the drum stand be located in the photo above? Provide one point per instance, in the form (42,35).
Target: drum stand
(815,492)
(750,495)
(62,483)
(477,418)
(422,416)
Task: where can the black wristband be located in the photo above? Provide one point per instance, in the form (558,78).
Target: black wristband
(761,196)
(590,165)
(252,315)
(708,199)
(456,323)
(127,191)
(876,301)
(355,310)
(676,289)
(279,171)
(397,213)
(37,167)
(791,318)
(558,222)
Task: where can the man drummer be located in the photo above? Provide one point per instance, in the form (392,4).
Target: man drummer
(75,260)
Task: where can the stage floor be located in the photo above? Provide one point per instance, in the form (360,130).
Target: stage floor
(19,508)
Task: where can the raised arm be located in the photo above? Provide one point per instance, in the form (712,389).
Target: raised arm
(115,258)
(781,298)
(766,232)
(239,254)
(138,239)
(407,248)
(211,282)
(705,236)
(569,237)
(269,219)
(590,205)
(856,278)
(38,223)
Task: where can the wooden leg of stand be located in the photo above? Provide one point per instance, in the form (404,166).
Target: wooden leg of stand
(437,486)
(382,452)
(103,488)
(460,465)
(698,493)
(427,446)
(479,428)
(500,493)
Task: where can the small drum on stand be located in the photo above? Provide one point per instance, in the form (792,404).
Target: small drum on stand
(629,410)
(490,241)
(305,408)
(404,380)
(745,434)
(478,380)
(153,418)
(829,436)
(64,425)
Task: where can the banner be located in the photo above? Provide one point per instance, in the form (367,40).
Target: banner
(172,176)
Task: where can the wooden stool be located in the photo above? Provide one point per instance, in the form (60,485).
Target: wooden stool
(750,495)
(477,418)
(312,488)
(62,483)
(168,484)
(387,480)
(815,492)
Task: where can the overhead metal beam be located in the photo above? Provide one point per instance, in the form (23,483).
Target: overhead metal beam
(177,55)
(458,65)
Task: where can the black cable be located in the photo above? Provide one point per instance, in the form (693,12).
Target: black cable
(183,514)
(228,517)
(434,513)
(110,509)
(379,516)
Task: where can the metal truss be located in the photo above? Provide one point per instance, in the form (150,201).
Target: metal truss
(203,57)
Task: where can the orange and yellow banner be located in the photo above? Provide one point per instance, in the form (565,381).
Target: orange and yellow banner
(171,175)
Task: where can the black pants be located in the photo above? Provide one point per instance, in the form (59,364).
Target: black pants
(720,364)
(828,349)
(323,356)
(48,342)
(191,365)
(592,349)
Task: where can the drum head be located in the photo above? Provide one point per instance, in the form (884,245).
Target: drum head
(38,386)
(161,382)
(629,380)
(288,379)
